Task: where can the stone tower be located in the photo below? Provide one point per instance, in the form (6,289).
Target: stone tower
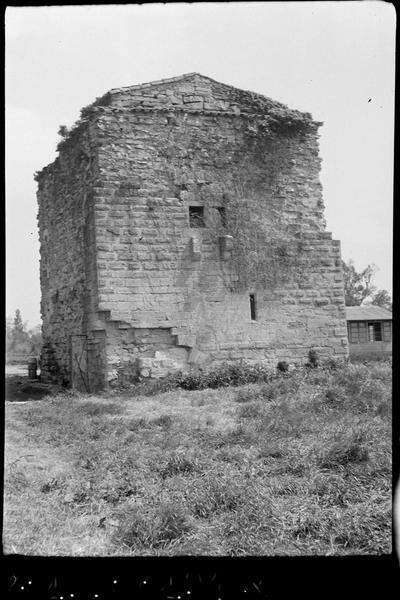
(182,225)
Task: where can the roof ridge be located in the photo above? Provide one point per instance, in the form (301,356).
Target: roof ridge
(186,76)
(156,82)
(151,84)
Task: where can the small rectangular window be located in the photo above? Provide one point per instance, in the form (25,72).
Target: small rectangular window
(196,216)
(222,215)
(252,307)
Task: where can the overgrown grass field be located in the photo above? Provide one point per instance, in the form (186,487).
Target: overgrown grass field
(298,464)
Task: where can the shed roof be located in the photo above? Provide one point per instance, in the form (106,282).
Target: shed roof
(367,313)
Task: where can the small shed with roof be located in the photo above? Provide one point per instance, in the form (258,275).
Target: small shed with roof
(370,330)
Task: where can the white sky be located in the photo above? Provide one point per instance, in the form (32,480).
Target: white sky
(333,59)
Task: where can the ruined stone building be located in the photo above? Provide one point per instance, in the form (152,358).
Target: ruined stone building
(182,225)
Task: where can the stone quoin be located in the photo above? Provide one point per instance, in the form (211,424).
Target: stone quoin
(182,226)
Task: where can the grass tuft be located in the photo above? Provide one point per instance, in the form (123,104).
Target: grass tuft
(345,448)
(217,495)
(153,528)
(178,464)
(164,421)
(250,411)
(271,450)
(136,424)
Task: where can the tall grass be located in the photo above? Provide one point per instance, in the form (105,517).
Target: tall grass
(299,463)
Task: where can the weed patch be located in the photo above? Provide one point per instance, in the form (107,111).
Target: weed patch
(51,485)
(238,435)
(361,529)
(152,528)
(383,409)
(217,495)
(271,450)
(344,449)
(164,421)
(250,411)
(178,464)
(284,419)
(136,424)
(245,395)
(17,480)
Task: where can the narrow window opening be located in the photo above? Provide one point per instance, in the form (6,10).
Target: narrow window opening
(252,307)
(222,215)
(196,216)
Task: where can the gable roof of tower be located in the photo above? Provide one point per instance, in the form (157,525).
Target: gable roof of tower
(161,82)
(186,77)
(258,102)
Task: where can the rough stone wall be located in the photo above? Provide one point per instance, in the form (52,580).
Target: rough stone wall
(166,148)
(67,259)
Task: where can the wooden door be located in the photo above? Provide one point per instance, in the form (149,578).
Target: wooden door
(79,363)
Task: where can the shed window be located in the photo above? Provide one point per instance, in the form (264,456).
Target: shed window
(353,333)
(196,216)
(361,332)
(358,333)
(374,332)
(252,307)
(387,331)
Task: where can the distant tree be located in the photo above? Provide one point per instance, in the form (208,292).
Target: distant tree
(358,287)
(35,338)
(17,334)
(19,340)
(9,330)
(18,324)
(382,298)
